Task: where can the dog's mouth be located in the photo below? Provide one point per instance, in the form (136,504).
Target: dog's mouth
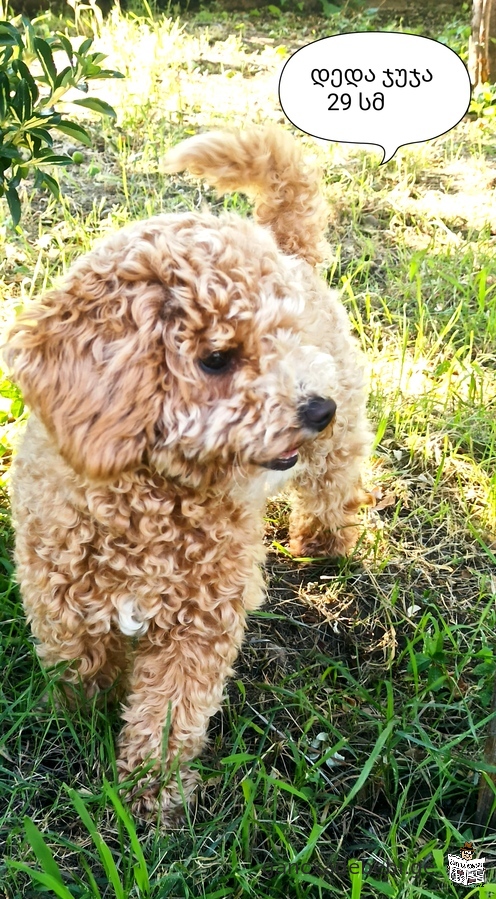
(284,461)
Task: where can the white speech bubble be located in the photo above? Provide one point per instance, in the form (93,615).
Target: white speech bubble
(375,87)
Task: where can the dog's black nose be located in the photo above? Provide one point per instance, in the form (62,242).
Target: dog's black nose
(317,413)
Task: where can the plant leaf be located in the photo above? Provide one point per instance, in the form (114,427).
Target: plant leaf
(45,56)
(85,46)
(22,102)
(103,850)
(140,870)
(62,80)
(9,36)
(99,106)
(41,850)
(47,158)
(8,151)
(107,73)
(369,764)
(21,69)
(66,44)
(14,204)
(4,94)
(45,879)
(51,183)
(74,131)
(41,135)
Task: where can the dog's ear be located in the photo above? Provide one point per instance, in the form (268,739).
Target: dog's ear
(88,361)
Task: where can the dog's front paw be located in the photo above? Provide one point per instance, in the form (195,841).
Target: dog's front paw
(338,536)
(316,544)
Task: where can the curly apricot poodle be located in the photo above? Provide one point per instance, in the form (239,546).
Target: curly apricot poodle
(186,368)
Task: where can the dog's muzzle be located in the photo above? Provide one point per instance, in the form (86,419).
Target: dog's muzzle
(317,414)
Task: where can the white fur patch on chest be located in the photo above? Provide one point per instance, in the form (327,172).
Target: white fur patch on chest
(130,622)
(258,489)
(270,483)
(275,481)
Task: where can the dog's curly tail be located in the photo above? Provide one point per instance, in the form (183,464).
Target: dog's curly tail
(267,164)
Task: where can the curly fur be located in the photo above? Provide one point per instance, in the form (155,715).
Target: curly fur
(139,488)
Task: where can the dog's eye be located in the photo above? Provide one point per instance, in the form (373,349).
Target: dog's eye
(217,363)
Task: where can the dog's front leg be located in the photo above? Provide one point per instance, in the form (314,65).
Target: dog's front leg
(176,686)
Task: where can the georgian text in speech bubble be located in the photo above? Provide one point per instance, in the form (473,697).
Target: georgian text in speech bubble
(375,87)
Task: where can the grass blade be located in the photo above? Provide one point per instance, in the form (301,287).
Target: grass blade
(369,764)
(46,880)
(103,850)
(41,850)
(141,872)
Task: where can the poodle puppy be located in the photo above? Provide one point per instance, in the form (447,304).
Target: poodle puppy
(186,368)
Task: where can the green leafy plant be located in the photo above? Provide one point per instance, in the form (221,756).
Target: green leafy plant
(483,102)
(122,877)
(33,82)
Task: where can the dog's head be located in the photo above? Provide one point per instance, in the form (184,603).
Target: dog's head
(176,343)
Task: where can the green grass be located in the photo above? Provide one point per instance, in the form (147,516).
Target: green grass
(355,725)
